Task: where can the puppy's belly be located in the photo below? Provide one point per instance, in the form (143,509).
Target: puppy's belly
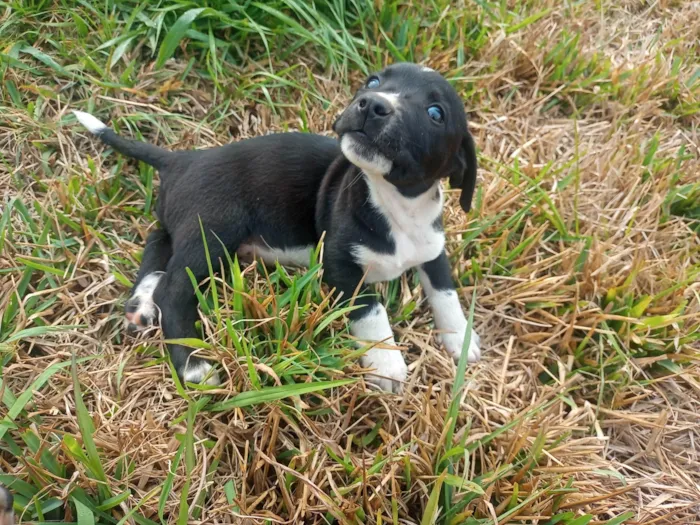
(291,256)
(409,253)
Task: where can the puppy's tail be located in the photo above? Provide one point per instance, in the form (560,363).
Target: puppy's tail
(136,149)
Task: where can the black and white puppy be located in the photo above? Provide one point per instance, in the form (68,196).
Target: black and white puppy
(381,204)
(376,195)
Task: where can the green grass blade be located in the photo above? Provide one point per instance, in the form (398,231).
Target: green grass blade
(622,518)
(276,393)
(85,515)
(430,513)
(176,34)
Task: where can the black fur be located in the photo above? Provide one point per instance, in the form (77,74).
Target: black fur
(439,272)
(421,151)
(148,153)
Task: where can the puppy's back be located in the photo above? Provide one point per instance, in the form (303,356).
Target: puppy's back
(262,181)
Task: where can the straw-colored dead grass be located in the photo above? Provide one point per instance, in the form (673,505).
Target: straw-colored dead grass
(618,433)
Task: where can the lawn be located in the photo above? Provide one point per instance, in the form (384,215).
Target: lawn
(580,258)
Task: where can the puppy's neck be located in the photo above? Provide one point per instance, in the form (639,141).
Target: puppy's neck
(402,212)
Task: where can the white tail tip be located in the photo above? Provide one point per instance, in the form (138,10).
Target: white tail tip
(93,124)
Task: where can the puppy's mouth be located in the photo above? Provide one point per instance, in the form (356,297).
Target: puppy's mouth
(371,141)
(358,135)
(342,126)
(363,153)
(368,144)
(357,126)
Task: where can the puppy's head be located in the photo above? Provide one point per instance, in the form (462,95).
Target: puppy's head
(407,124)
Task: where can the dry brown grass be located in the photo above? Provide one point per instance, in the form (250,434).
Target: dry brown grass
(602,398)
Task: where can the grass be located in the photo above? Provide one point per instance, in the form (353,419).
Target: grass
(580,264)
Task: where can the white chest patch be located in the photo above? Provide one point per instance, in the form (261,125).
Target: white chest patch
(412,223)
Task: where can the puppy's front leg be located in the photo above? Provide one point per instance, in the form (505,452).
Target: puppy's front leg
(369,324)
(436,280)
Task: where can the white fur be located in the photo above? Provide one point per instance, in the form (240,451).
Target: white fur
(390,368)
(144,292)
(412,223)
(391,98)
(377,164)
(92,124)
(427,69)
(198,371)
(450,320)
(296,256)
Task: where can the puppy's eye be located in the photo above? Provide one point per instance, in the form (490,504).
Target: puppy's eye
(436,113)
(373,82)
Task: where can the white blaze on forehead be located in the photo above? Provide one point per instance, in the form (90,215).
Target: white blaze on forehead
(391,98)
(427,69)
(368,161)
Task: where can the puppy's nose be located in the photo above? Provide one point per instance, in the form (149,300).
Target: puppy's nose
(374,107)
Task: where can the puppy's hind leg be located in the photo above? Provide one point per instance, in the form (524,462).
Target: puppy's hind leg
(141,310)
(178,305)
(177,301)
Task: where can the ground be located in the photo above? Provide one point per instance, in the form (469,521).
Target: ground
(580,258)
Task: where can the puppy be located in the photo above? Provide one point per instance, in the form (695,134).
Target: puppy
(381,204)
(376,194)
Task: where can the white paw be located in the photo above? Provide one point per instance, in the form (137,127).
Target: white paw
(390,370)
(199,371)
(141,310)
(454,343)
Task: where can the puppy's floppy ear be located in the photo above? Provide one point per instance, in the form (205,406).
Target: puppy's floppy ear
(463,175)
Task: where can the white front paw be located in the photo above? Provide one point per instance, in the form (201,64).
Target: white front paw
(454,343)
(390,370)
